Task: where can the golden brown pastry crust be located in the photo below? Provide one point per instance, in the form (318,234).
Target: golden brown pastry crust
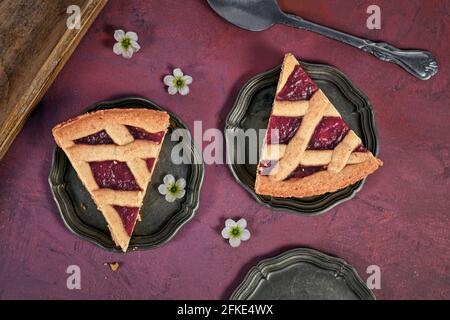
(93,122)
(125,149)
(273,152)
(316,184)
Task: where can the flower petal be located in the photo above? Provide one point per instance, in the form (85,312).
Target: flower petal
(162,189)
(177,73)
(181,183)
(118,49)
(168,80)
(235,242)
(180,194)
(128,53)
(226,233)
(136,47)
(230,223)
(172,90)
(119,35)
(168,179)
(132,35)
(184,90)
(170,198)
(187,79)
(242,223)
(245,235)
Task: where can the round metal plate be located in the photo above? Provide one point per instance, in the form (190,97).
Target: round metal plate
(302,274)
(252,110)
(160,220)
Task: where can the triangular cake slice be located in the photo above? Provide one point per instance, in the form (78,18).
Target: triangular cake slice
(309,150)
(114,153)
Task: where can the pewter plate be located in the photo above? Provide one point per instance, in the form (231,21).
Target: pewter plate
(302,274)
(160,220)
(252,111)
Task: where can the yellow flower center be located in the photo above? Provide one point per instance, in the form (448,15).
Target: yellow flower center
(235,232)
(173,189)
(126,43)
(178,82)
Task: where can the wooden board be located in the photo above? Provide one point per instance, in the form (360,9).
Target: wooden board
(35,43)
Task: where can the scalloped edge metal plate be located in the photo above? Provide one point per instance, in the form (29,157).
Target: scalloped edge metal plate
(66,208)
(264,268)
(306,206)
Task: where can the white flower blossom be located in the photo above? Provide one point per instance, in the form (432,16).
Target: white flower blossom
(172,189)
(126,44)
(178,82)
(235,232)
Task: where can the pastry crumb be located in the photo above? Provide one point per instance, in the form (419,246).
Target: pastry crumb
(113,266)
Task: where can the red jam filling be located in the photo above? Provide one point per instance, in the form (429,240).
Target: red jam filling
(328,134)
(150,163)
(302,172)
(282,129)
(361,148)
(266,166)
(141,134)
(299,86)
(128,216)
(114,175)
(100,137)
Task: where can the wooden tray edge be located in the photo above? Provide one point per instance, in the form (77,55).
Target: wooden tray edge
(47,74)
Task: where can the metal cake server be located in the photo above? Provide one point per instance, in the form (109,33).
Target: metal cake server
(258,15)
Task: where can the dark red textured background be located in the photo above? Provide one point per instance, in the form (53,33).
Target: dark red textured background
(399,221)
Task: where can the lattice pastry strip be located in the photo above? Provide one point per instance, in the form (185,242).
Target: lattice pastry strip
(136,149)
(98,121)
(275,152)
(297,146)
(320,155)
(343,151)
(114,153)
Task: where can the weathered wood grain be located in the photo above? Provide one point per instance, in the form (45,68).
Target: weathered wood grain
(35,43)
